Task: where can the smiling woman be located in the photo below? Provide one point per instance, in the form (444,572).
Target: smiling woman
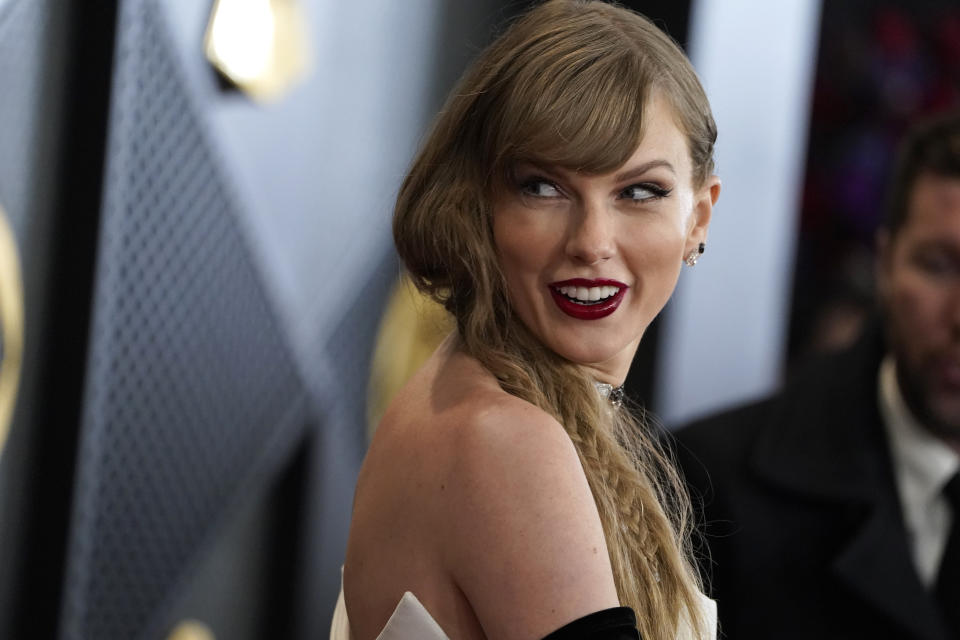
(575,246)
(506,494)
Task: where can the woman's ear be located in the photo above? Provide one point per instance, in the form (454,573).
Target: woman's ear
(704,199)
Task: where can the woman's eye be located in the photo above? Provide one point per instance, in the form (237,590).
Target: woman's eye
(540,189)
(644,192)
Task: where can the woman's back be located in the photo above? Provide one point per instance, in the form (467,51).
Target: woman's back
(474,501)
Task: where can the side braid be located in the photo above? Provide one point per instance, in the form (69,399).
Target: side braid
(623,504)
(641,503)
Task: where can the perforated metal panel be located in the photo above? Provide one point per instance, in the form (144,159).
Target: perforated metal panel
(191,393)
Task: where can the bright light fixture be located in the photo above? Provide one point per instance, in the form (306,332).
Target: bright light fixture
(241,36)
(258,45)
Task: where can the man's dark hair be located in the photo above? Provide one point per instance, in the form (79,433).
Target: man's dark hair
(932,146)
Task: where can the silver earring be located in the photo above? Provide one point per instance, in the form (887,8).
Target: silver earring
(694,255)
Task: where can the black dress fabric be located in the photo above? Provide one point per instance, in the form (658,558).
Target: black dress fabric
(617,623)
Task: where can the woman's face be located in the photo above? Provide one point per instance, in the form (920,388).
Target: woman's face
(589,260)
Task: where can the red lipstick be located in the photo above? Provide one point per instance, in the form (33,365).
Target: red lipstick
(587,310)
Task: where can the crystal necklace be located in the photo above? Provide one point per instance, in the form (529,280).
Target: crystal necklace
(613,394)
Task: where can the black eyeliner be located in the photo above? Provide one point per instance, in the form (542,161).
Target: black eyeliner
(657,191)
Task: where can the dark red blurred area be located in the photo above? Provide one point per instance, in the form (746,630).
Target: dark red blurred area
(881,65)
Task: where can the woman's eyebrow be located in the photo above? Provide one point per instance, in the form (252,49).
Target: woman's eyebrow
(633,172)
(550,172)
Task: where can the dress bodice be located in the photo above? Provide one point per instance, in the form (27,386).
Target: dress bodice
(411,620)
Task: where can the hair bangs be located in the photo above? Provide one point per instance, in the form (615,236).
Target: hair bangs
(583,112)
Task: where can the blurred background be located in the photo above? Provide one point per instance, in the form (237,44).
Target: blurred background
(195,262)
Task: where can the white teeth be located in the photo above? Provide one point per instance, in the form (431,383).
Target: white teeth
(588,294)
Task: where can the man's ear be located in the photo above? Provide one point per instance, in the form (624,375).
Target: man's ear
(883,262)
(705,197)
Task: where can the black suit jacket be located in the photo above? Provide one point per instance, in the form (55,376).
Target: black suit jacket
(801,516)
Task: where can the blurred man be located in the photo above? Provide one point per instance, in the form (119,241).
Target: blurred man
(828,507)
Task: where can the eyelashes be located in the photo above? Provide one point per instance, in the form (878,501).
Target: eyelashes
(540,187)
(654,191)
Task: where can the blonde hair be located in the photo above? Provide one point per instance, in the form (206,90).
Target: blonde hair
(566,85)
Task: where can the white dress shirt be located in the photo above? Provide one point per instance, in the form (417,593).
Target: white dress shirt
(922,465)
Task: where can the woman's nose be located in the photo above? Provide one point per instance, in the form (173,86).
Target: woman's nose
(591,238)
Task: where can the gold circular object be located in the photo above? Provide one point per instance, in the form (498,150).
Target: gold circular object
(411,329)
(191,630)
(11,325)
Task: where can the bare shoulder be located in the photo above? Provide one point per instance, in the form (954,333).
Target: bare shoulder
(476,501)
(526,545)
(503,441)
(495,422)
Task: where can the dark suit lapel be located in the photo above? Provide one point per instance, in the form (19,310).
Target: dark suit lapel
(831,447)
(875,564)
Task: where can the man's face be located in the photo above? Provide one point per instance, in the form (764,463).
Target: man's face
(919,278)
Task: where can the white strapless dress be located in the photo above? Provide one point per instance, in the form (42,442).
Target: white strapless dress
(408,621)
(411,621)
